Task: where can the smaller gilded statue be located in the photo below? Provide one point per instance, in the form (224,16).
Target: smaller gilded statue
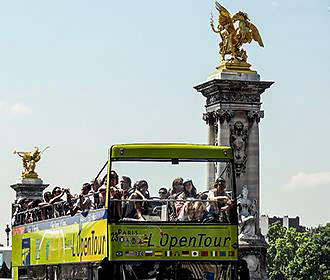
(234,31)
(29,162)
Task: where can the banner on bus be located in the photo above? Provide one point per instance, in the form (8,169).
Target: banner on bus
(177,242)
(77,242)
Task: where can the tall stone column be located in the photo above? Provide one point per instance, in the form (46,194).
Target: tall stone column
(210,120)
(252,165)
(224,117)
(235,98)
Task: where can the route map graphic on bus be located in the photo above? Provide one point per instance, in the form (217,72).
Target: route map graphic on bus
(26,251)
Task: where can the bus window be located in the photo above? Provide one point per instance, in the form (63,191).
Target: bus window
(194,202)
(37,273)
(77,272)
(22,273)
(176,270)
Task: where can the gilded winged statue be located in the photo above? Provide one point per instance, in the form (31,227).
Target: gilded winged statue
(234,31)
(29,162)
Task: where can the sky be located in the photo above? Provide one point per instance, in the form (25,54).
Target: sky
(81,75)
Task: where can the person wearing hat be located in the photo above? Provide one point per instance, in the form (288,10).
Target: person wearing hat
(189,191)
(219,201)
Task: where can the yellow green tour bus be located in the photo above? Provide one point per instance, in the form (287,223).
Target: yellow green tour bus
(191,233)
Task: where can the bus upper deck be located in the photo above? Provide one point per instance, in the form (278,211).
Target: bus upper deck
(134,226)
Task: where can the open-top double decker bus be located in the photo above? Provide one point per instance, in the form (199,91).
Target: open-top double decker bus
(100,244)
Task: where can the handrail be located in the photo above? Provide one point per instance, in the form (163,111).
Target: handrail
(63,208)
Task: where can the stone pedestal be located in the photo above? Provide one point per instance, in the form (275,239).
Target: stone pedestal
(233,113)
(29,188)
(254,251)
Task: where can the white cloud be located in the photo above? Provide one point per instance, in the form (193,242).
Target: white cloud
(14,110)
(307,181)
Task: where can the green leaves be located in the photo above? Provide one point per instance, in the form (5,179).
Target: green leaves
(293,255)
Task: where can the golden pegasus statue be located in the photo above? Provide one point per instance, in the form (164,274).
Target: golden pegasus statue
(29,162)
(233,38)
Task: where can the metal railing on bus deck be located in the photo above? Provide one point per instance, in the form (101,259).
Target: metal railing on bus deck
(50,210)
(152,209)
(172,210)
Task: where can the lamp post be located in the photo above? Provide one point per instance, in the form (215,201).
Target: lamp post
(7,230)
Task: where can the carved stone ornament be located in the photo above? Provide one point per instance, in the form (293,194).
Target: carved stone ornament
(255,116)
(209,118)
(238,140)
(229,97)
(224,115)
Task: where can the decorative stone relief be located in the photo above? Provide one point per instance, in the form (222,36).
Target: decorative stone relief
(254,266)
(255,116)
(232,97)
(209,118)
(247,215)
(238,140)
(224,115)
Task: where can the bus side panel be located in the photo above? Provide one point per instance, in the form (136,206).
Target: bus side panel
(15,273)
(83,242)
(17,254)
(207,242)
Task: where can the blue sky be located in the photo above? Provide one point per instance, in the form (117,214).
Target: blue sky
(81,75)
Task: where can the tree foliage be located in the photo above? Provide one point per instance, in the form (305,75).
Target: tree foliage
(296,256)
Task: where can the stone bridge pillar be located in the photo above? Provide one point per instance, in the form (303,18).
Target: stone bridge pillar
(233,113)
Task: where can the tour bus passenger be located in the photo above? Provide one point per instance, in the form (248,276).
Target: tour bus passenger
(143,188)
(128,206)
(28,212)
(126,186)
(135,209)
(187,211)
(21,212)
(189,191)
(57,201)
(102,191)
(16,216)
(219,201)
(177,186)
(163,194)
(71,200)
(57,194)
(125,183)
(85,200)
(34,209)
(174,192)
(116,194)
(23,202)
(45,208)
(96,185)
(47,196)
(199,211)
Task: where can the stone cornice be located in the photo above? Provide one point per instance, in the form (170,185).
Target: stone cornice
(232,91)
